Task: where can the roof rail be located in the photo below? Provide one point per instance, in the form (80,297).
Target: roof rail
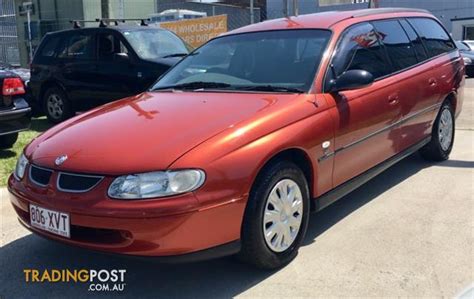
(76,24)
(375,11)
(104,22)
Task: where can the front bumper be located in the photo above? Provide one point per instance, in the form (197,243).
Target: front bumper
(191,235)
(15,119)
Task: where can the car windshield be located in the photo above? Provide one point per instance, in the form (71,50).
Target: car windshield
(152,44)
(271,61)
(462,46)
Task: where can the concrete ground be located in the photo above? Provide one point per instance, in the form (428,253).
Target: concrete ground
(408,232)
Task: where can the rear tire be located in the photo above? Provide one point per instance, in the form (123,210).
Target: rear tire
(56,105)
(442,136)
(7,141)
(275,222)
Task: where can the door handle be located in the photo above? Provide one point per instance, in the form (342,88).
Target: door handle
(393,99)
(432,82)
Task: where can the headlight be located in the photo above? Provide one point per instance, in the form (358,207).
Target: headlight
(20,167)
(467,60)
(156,184)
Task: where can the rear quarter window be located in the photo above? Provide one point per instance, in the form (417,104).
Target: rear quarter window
(47,50)
(435,38)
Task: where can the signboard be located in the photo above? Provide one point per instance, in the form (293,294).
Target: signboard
(198,31)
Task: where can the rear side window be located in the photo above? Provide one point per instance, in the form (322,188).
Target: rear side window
(360,49)
(396,43)
(49,48)
(435,38)
(415,41)
(77,46)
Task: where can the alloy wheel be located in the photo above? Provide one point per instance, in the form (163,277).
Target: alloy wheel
(55,106)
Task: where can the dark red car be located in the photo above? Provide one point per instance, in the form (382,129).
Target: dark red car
(231,149)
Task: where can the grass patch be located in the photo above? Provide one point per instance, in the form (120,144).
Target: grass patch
(8,157)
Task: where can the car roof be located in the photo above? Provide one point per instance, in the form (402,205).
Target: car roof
(325,20)
(118,28)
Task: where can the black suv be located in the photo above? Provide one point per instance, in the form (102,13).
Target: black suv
(14,109)
(78,69)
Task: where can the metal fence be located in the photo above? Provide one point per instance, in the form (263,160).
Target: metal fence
(55,15)
(9,51)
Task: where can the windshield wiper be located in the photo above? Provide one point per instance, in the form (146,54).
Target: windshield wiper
(271,88)
(195,86)
(175,55)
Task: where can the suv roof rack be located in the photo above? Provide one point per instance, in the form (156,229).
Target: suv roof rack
(76,24)
(375,11)
(105,22)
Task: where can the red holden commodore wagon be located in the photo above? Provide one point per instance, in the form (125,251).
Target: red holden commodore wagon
(230,151)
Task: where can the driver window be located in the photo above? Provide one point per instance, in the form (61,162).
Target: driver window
(108,45)
(360,49)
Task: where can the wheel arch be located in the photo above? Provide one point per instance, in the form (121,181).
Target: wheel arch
(297,156)
(452,99)
(47,85)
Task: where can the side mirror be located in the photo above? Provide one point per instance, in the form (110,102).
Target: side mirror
(352,79)
(121,57)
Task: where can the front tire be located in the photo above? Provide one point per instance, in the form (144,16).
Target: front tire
(276,216)
(56,105)
(7,141)
(442,136)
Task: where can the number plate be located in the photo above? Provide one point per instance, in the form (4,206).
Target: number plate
(50,221)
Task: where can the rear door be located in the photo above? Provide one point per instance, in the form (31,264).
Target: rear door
(432,79)
(365,118)
(76,62)
(412,91)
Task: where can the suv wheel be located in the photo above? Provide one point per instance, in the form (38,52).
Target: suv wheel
(276,217)
(442,136)
(7,141)
(56,105)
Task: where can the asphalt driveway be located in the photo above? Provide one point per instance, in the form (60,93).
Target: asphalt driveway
(408,232)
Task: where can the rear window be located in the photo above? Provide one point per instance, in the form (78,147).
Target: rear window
(435,38)
(49,48)
(77,46)
(415,41)
(396,43)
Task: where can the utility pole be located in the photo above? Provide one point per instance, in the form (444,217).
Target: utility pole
(121,13)
(295,8)
(285,9)
(373,3)
(252,16)
(27,7)
(105,9)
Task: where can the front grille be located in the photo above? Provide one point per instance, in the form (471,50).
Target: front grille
(77,183)
(40,176)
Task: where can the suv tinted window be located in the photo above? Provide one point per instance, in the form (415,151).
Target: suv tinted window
(415,41)
(78,46)
(360,48)
(49,49)
(396,42)
(109,44)
(434,36)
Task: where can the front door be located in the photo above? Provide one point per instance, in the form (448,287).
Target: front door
(116,72)
(366,118)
